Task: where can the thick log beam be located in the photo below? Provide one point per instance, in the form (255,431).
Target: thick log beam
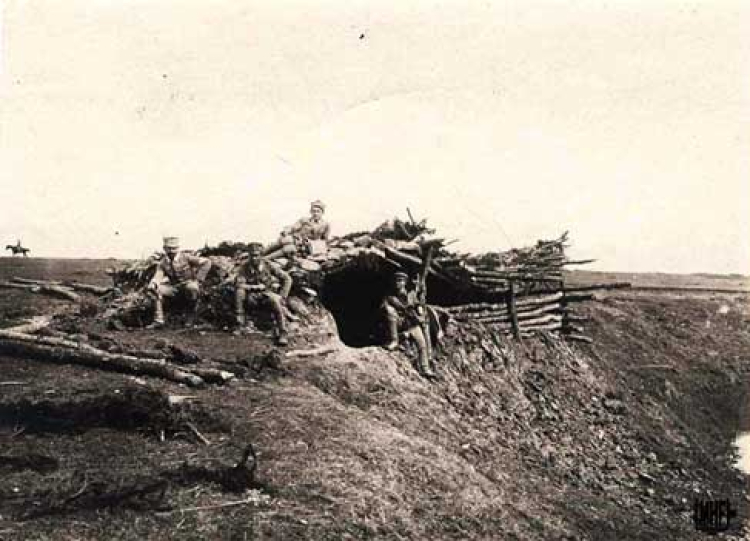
(68,352)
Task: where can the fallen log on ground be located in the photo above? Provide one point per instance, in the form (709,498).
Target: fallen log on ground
(594,287)
(32,281)
(35,324)
(66,351)
(89,288)
(77,286)
(53,290)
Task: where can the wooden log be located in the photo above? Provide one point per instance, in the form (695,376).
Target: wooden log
(578,298)
(524,312)
(211,375)
(36,282)
(88,288)
(579,338)
(52,290)
(531,300)
(512,310)
(35,324)
(65,351)
(522,323)
(579,262)
(594,287)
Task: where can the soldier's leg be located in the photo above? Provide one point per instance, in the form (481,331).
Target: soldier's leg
(392,321)
(240,297)
(286,247)
(192,291)
(423,360)
(164,290)
(273,301)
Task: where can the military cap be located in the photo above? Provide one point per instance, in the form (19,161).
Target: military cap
(319,204)
(400,276)
(171,242)
(255,248)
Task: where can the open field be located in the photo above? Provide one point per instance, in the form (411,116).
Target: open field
(539,440)
(657,280)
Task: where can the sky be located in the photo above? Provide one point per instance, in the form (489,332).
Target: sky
(625,123)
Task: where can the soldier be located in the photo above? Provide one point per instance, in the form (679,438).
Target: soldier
(254,286)
(177,273)
(296,238)
(403,313)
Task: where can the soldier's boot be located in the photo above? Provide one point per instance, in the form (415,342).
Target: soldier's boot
(158,322)
(392,321)
(282,333)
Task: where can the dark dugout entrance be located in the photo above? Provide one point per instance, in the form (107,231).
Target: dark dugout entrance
(354,295)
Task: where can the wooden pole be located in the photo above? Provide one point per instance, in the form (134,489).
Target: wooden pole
(512,310)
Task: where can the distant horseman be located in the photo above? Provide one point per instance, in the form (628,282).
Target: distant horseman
(18,249)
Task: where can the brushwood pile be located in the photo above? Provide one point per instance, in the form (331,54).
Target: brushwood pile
(520,291)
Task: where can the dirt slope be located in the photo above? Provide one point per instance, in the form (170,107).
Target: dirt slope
(539,440)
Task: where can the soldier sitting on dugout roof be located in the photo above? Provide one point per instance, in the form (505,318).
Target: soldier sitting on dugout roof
(254,287)
(300,237)
(177,273)
(404,315)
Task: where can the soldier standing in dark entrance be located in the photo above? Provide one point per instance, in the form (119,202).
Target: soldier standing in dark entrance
(257,278)
(404,314)
(177,273)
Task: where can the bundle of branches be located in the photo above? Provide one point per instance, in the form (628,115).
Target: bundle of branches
(542,263)
(225,248)
(396,229)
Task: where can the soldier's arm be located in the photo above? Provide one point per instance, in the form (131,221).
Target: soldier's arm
(395,302)
(202,266)
(284,278)
(326,232)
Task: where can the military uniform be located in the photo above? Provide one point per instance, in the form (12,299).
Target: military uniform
(295,238)
(255,286)
(180,275)
(402,312)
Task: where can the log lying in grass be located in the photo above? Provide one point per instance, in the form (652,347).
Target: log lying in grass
(89,288)
(77,286)
(67,351)
(594,287)
(35,324)
(53,290)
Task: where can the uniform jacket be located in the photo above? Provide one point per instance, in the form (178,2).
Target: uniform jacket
(306,228)
(266,274)
(182,268)
(407,306)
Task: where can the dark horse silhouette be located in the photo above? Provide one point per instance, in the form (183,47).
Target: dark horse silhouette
(18,249)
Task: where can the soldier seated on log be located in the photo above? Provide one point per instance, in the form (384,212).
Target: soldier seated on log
(305,237)
(177,273)
(405,315)
(254,286)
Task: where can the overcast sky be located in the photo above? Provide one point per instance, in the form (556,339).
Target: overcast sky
(624,122)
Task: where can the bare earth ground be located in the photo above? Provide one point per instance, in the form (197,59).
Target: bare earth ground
(540,440)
